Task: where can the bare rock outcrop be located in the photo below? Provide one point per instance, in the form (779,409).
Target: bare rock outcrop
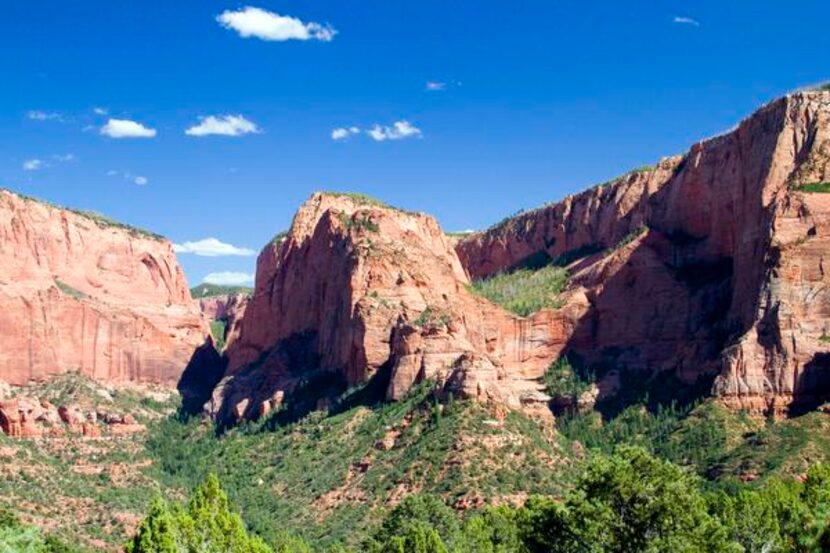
(82,293)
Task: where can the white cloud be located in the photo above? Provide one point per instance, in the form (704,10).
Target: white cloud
(100,111)
(37,115)
(433,86)
(124,128)
(211,247)
(65,158)
(135,179)
(342,133)
(229,278)
(224,125)
(398,131)
(32,164)
(265,25)
(686,21)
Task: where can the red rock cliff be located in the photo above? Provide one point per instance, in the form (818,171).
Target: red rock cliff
(729,277)
(81,293)
(356,288)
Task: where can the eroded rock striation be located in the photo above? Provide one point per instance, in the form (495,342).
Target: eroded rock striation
(82,293)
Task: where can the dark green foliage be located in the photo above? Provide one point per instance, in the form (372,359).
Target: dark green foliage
(16,537)
(688,436)
(561,380)
(206,525)
(206,290)
(419,523)
(816,187)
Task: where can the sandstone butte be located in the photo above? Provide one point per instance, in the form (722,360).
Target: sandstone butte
(709,266)
(81,293)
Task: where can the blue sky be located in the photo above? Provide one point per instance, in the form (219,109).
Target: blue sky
(537,99)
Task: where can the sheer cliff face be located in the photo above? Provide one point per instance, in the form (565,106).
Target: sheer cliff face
(356,289)
(83,295)
(709,266)
(727,280)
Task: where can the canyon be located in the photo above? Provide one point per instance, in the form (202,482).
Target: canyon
(708,267)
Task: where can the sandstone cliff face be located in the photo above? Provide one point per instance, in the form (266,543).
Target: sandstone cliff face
(80,294)
(708,267)
(727,280)
(357,289)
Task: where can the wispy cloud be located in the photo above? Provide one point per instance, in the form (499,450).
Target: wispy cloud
(38,115)
(135,179)
(229,278)
(97,110)
(682,20)
(65,158)
(35,164)
(435,86)
(265,25)
(124,128)
(211,247)
(342,133)
(223,125)
(398,131)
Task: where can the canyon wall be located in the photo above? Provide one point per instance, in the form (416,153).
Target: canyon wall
(358,290)
(82,293)
(708,267)
(727,276)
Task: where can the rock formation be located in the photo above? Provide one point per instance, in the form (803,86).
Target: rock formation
(358,289)
(708,267)
(727,277)
(82,293)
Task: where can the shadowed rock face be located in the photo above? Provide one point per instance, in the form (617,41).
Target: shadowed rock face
(88,296)
(729,279)
(708,267)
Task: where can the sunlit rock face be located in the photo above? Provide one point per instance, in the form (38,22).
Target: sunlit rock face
(79,293)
